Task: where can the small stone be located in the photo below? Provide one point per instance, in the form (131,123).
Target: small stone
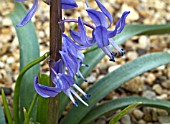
(7,90)
(162,97)
(112,68)
(6,22)
(147,115)
(150,78)
(162,112)
(157,88)
(133,13)
(154,115)
(138,113)
(144,42)
(132,55)
(91,79)
(166,84)
(164,119)
(10,60)
(149,94)
(141,122)
(100,121)
(126,119)
(135,85)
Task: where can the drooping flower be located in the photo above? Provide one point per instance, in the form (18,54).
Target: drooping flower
(101,35)
(66,4)
(72,58)
(63,83)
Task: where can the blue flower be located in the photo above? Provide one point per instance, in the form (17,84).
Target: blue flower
(101,35)
(66,4)
(71,57)
(63,83)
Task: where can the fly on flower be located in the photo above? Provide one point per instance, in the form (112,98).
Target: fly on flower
(66,4)
(63,83)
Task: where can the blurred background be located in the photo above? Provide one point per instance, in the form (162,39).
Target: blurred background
(152,84)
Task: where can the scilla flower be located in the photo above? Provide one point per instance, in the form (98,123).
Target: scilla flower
(63,83)
(66,4)
(101,35)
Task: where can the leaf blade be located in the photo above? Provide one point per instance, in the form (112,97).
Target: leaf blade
(116,78)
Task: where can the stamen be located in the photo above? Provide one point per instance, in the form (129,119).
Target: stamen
(68,93)
(107,52)
(78,97)
(116,46)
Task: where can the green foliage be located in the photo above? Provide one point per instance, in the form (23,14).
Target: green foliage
(2,118)
(124,112)
(115,79)
(120,103)
(93,56)
(29,51)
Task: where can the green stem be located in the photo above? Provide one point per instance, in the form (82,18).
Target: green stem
(18,84)
(32,104)
(6,108)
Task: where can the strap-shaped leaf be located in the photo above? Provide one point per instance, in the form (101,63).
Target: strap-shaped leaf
(29,51)
(92,57)
(119,103)
(2,118)
(115,79)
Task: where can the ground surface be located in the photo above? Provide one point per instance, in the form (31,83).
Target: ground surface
(152,84)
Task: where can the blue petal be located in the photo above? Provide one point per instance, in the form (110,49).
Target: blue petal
(29,15)
(67,81)
(58,66)
(73,44)
(68,4)
(100,34)
(45,91)
(70,64)
(98,18)
(105,11)
(119,25)
(85,40)
(76,36)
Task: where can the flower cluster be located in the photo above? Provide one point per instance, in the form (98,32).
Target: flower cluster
(65,71)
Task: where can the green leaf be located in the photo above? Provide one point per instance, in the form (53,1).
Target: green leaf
(29,50)
(114,80)
(118,116)
(120,103)
(42,109)
(93,56)
(2,118)
(6,108)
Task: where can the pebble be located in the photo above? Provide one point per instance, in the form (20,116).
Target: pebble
(149,94)
(7,90)
(132,55)
(150,78)
(162,112)
(157,88)
(164,119)
(166,84)
(141,122)
(126,119)
(112,68)
(138,113)
(91,79)
(135,85)
(133,13)
(144,42)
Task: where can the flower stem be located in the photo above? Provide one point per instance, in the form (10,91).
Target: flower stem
(55,46)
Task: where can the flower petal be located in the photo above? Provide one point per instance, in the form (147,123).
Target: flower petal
(29,15)
(100,34)
(98,18)
(67,81)
(45,91)
(70,64)
(68,4)
(105,11)
(119,25)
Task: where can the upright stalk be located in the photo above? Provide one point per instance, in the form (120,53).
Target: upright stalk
(55,46)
